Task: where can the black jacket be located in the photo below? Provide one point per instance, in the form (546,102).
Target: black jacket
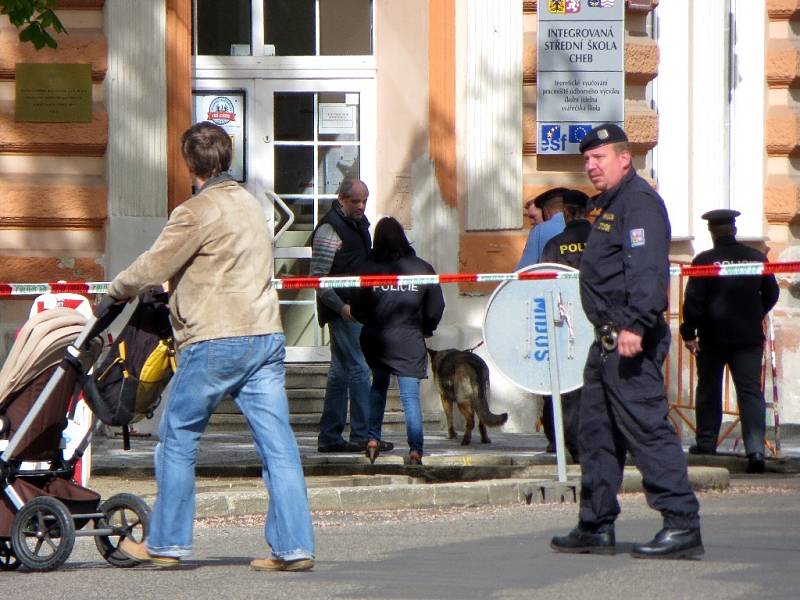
(356,244)
(397,318)
(567,247)
(624,271)
(728,310)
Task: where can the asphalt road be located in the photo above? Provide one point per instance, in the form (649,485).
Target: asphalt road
(751,534)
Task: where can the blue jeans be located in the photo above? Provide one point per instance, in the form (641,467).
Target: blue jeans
(348,372)
(251,370)
(409,397)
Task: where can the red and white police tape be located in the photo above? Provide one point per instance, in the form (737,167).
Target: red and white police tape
(294,283)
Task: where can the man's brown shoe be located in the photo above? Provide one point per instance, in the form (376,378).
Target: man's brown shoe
(138,551)
(275,564)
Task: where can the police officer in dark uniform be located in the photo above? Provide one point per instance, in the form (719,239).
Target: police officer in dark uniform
(566,249)
(722,325)
(623,281)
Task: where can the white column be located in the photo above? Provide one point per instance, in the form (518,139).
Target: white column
(710,115)
(492,97)
(672,98)
(136,158)
(748,154)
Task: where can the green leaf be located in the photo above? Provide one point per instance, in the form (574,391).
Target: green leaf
(36,20)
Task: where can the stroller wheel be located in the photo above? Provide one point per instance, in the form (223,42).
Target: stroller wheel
(8,560)
(129,517)
(43,534)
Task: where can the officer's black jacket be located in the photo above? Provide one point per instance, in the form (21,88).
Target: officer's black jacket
(397,317)
(728,310)
(624,271)
(567,247)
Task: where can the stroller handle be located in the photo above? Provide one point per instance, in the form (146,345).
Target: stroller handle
(104,314)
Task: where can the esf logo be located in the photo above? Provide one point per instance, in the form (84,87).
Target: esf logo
(552,140)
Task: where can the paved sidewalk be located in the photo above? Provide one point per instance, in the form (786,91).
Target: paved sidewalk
(513,469)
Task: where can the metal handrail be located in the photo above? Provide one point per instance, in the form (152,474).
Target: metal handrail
(289,213)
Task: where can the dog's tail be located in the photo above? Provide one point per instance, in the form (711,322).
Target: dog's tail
(480,396)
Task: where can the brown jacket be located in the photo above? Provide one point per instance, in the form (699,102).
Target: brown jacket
(216,252)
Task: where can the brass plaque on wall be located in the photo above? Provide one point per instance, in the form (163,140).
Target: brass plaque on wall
(53,93)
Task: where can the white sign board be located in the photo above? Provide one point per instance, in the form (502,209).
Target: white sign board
(516,333)
(226,109)
(338,118)
(580,77)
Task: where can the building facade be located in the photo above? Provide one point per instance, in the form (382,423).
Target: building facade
(431,102)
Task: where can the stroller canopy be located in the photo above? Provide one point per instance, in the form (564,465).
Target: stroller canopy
(40,344)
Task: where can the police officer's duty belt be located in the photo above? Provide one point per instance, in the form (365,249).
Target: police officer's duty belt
(606,335)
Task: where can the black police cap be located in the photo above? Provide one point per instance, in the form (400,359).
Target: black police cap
(720,216)
(608,133)
(575,198)
(544,197)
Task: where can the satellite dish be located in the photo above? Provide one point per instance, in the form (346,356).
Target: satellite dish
(515,330)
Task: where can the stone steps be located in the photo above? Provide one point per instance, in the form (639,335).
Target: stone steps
(305,387)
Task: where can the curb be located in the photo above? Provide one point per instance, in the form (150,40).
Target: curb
(395,496)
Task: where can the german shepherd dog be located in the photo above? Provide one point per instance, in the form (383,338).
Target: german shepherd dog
(463,379)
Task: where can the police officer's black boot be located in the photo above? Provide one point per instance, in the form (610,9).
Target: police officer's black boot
(698,449)
(586,540)
(671,543)
(755,463)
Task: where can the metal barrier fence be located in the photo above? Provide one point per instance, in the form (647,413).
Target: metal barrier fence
(681,395)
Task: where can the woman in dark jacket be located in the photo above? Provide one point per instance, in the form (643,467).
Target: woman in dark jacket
(397,318)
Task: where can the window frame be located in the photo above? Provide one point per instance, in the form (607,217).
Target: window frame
(293,63)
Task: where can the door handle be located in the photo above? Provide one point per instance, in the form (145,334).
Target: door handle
(267,139)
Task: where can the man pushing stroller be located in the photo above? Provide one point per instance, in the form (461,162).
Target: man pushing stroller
(216,252)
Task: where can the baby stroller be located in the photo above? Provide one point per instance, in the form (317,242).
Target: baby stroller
(42,510)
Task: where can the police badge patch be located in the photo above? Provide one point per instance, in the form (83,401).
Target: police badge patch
(637,238)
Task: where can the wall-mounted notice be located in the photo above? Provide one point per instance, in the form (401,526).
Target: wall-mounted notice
(580,77)
(336,118)
(226,109)
(53,93)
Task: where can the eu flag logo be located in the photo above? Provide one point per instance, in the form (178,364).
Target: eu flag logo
(578,132)
(550,132)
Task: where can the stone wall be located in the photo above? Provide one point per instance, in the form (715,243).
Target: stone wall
(55,195)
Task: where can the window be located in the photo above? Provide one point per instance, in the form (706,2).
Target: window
(222,28)
(283,27)
(317,145)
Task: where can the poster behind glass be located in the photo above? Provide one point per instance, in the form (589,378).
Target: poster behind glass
(226,108)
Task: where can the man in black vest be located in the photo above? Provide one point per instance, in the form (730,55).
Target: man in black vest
(722,325)
(340,244)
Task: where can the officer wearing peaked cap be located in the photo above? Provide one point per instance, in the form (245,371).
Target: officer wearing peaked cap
(566,248)
(623,282)
(549,202)
(722,325)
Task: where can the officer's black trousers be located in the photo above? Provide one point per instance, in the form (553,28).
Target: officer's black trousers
(570,407)
(623,407)
(744,362)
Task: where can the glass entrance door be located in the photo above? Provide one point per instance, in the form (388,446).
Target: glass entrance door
(294,142)
(293,82)
(312,135)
